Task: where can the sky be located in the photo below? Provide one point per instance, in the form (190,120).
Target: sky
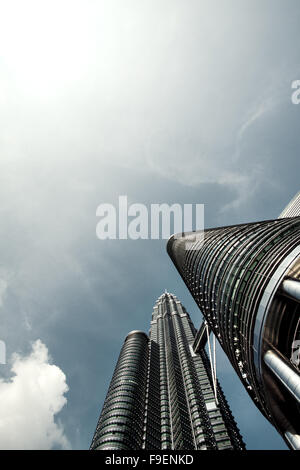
(165,102)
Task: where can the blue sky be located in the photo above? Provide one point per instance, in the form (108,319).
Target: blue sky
(172,101)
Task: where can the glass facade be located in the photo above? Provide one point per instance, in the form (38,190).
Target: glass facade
(121,422)
(236,276)
(293,208)
(161,395)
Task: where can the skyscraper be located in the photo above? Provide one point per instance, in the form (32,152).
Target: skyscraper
(245,280)
(162,395)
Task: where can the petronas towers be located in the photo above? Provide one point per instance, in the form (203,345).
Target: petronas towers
(162,395)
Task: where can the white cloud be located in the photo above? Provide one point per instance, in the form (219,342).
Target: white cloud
(31,399)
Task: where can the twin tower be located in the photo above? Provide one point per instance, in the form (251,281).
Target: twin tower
(164,393)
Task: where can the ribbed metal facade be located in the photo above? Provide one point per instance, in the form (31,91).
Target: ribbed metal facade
(121,423)
(293,208)
(170,392)
(235,275)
